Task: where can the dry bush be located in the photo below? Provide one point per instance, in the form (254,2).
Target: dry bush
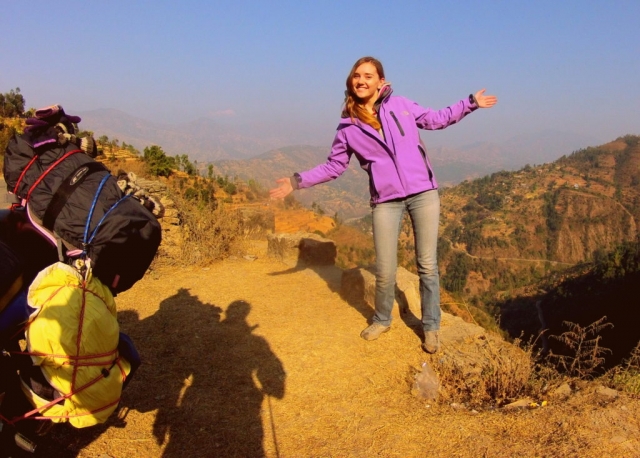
(503,374)
(492,374)
(209,233)
(257,224)
(586,355)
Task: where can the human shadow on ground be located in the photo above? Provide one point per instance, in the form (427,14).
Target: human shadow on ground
(206,377)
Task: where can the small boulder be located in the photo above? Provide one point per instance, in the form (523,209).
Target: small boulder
(562,392)
(359,285)
(606,394)
(519,404)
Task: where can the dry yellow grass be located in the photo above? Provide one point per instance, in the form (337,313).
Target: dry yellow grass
(256,359)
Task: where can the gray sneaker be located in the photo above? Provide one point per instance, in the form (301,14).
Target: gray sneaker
(431,342)
(373,331)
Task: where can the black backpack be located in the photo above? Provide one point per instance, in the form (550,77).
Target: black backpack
(77,204)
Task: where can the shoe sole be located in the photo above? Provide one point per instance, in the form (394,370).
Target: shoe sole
(431,351)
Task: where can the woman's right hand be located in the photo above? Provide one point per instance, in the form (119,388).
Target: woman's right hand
(485,101)
(283,190)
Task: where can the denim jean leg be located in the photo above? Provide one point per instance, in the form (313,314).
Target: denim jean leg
(424,210)
(387,217)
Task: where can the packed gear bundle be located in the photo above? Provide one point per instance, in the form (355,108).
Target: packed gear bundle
(76,361)
(63,357)
(79,356)
(77,203)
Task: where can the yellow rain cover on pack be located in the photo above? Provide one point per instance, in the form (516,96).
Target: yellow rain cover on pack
(73,337)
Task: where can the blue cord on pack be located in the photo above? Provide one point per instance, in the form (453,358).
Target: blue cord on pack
(93,206)
(86,242)
(95,231)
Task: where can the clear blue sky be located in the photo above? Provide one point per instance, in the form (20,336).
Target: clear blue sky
(570,65)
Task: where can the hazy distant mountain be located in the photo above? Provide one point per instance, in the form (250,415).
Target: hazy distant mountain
(202,140)
(476,160)
(207,140)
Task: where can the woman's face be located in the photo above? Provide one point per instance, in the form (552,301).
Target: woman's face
(366,82)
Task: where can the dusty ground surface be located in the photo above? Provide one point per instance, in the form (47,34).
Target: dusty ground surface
(4,199)
(253,358)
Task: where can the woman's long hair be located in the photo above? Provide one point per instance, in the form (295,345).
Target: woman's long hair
(352,104)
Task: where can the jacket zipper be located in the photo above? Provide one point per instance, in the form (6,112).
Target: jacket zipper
(372,183)
(423,153)
(393,159)
(393,115)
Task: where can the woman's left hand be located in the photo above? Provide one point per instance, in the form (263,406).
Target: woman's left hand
(485,101)
(283,190)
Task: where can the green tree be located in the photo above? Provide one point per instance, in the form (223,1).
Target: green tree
(457,272)
(158,162)
(12,104)
(186,165)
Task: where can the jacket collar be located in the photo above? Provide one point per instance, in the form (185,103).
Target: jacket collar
(383,96)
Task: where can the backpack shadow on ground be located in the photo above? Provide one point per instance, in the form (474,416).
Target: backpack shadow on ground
(206,376)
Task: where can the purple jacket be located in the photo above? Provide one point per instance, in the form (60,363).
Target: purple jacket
(397,165)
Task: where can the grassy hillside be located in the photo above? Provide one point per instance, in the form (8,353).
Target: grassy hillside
(499,229)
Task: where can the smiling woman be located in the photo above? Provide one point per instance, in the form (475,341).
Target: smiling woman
(363,85)
(382,132)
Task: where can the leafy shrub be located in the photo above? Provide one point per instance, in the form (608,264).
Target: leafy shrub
(231,189)
(626,376)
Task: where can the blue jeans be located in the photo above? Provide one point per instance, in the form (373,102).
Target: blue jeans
(424,210)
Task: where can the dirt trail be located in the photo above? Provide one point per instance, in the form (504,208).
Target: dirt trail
(253,358)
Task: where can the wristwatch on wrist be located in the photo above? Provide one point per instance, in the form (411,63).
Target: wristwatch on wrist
(472,99)
(296,179)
